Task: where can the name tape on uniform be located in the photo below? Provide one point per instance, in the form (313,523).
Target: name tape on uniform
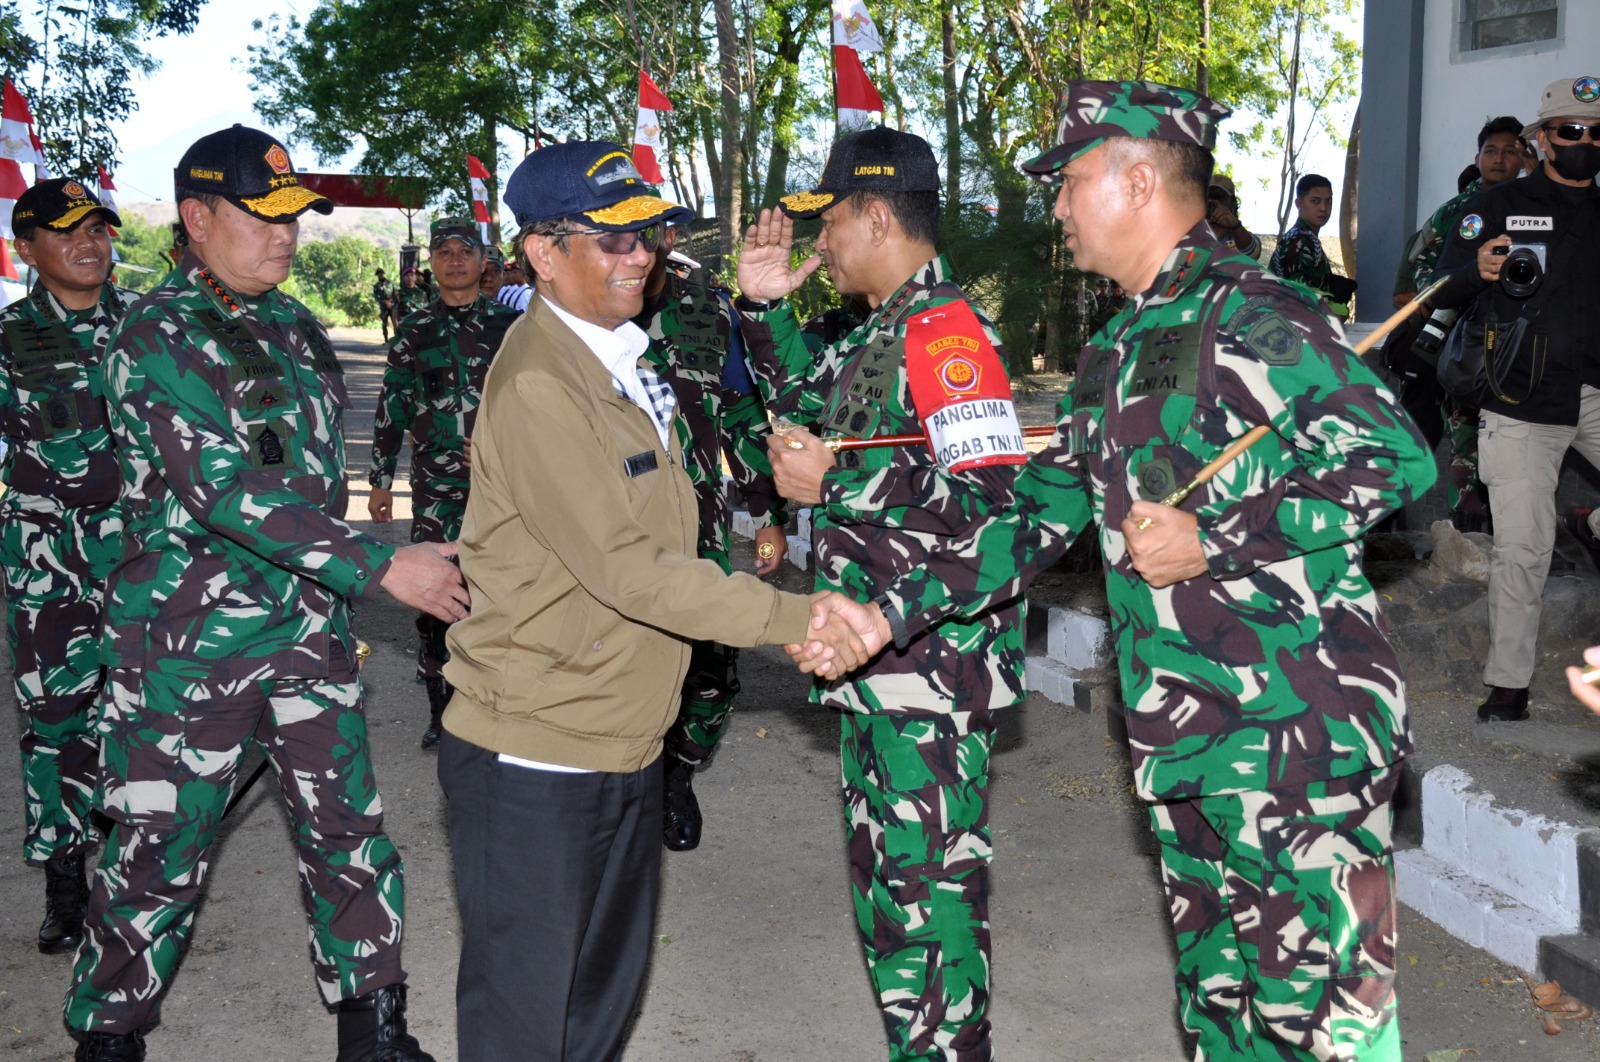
(961,391)
(1527,223)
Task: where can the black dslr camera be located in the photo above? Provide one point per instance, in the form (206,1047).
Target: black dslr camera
(1523,269)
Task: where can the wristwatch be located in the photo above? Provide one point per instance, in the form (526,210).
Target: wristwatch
(748,305)
(897,622)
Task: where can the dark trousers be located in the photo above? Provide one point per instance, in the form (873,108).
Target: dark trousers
(557,877)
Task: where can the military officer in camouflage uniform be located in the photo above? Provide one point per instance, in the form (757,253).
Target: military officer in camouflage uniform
(431,389)
(494,270)
(694,347)
(412,296)
(1266,713)
(228,618)
(916,729)
(60,529)
(1299,255)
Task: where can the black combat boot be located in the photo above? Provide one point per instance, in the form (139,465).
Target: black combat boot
(372,1028)
(439,692)
(66,901)
(109,1047)
(680,811)
(1504,705)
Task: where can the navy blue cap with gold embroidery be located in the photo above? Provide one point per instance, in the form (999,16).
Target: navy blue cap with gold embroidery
(251,170)
(58,204)
(589,180)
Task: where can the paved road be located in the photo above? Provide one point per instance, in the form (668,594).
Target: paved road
(756,959)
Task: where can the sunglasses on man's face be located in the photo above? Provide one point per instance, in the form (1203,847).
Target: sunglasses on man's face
(1572,132)
(622,242)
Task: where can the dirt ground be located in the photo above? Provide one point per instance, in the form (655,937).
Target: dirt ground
(755,957)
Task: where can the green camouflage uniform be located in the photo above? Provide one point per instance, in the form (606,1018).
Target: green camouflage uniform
(690,330)
(1299,256)
(916,728)
(431,388)
(410,300)
(1265,706)
(60,535)
(228,619)
(1464,490)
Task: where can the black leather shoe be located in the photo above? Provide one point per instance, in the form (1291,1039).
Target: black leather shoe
(1504,705)
(680,811)
(372,1028)
(109,1047)
(1577,524)
(439,692)
(66,901)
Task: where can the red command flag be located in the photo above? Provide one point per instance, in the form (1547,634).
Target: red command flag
(647,130)
(858,96)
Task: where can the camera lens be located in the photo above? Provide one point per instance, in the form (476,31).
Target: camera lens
(1521,273)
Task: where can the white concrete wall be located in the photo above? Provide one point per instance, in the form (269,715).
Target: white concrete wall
(1461,92)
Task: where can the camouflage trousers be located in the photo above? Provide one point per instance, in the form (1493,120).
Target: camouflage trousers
(916,801)
(170,759)
(56,566)
(1465,493)
(708,692)
(1283,908)
(436,515)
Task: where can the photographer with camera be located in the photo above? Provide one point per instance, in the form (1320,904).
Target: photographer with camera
(1499,159)
(1521,265)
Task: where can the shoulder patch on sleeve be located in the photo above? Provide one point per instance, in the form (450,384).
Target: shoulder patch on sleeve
(1471,227)
(1272,338)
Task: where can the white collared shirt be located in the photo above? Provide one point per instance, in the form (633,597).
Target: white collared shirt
(619,350)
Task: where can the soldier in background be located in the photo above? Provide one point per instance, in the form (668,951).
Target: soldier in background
(1266,713)
(60,529)
(411,297)
(494,270)
(228,619)
(1299,255)
(916,728)
(383,295)
(694,347)
(431,389)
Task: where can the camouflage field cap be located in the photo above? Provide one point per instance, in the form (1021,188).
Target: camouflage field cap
(454,228)
(249,169)
(1571,97)
(1094,111)
(57,204)
(494,255)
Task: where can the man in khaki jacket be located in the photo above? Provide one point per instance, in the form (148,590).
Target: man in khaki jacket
(579,549)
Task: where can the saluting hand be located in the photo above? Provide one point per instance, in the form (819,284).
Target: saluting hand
(765,273)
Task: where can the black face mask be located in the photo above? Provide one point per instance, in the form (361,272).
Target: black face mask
(1576,162)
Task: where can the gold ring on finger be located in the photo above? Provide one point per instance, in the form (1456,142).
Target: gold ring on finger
(766,551)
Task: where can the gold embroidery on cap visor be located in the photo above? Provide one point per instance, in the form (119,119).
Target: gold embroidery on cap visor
(639,208)
(77,213)
(285,202)
(806,202)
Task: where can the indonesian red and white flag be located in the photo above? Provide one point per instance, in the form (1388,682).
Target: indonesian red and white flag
(16,127)
(858,96)
(108,190)
(854,28)
(647,130)
(8,268)
(477,173)
(12,186)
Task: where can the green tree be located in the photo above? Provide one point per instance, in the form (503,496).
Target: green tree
(144,247)
(334,279)
(78,62)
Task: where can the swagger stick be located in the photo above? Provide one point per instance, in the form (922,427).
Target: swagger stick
(1251,437)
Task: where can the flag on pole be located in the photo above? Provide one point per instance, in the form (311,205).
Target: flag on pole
(12,186)
(8,268)
(647,130)
(853,27)
(477,173)
(16,128)
(857,95)
(41,170)
(108,198)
